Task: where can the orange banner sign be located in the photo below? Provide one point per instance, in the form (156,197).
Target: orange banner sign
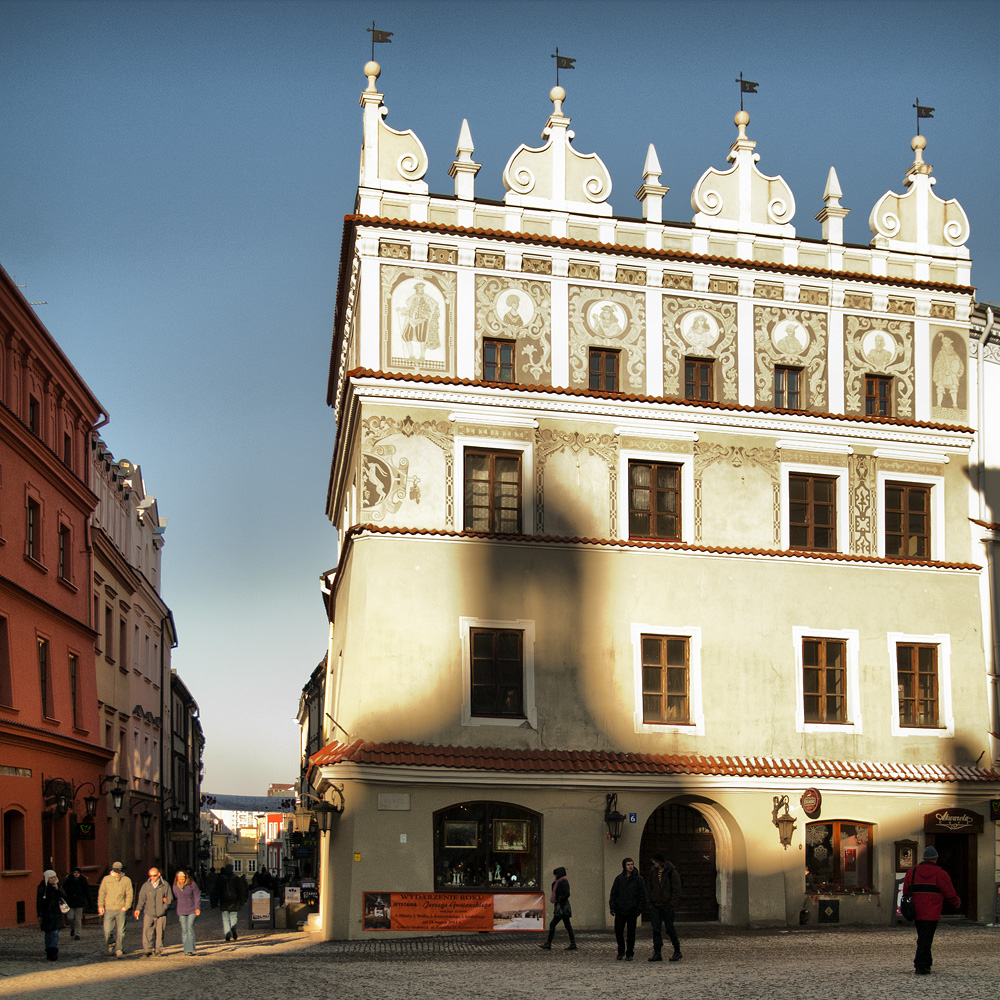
(453,911)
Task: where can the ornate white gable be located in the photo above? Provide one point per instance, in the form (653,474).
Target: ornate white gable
(919,221)
(555,176)
(742,199)
(390,160)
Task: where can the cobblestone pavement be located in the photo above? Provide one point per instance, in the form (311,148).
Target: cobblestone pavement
(718,964)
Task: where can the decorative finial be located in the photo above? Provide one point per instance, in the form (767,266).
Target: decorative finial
(557,95)
(918,144)
(741,120)
(373,71)
(832,193)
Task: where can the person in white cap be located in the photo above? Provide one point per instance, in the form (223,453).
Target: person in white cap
(51,905)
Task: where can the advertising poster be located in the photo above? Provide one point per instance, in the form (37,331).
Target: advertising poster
(453,911)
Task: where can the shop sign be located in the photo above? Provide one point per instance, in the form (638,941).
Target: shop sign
(811,801)
(453,911)
(953,821)
(994,808)
(86,831)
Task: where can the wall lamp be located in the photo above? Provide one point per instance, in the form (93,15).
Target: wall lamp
(117,791)
(146,816)
(325,811)
(61,791)
(89,801)
(612,817)
(785,822)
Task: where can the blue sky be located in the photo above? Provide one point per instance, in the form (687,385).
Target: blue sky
(174,178)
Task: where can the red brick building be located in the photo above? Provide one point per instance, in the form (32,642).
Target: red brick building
(52,755)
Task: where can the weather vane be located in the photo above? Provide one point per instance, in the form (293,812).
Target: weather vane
(922,112)
(379,36)
(562,62)
(746,87)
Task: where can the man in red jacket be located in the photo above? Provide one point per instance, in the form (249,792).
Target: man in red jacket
(930,886)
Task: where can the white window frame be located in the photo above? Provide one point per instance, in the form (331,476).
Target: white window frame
(527,628)
(686,462)
(462,444)
(237,866)
(936,512)
(696,727)
(837,472)
(946,715)
(850,637)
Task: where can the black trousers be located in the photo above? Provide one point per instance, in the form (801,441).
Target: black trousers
(569,927)
(625,925)
(925,938)
(663,916)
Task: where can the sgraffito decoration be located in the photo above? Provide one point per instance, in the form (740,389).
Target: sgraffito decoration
(385,483)
(878,346)
(611,318)
(519,311)
(700,328)
(796,338)
(418,310)
(949,371)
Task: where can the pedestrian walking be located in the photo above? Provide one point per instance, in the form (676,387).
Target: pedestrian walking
(51,904)
(929,885)
(663,886)
(627,901)
(561,910)
(77,891)
(188,898)
(211,885)
(230,895)
(154,900)
(114,900)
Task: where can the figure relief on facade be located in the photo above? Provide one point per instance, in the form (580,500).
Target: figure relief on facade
(738,461)
(550,442)
(388,447)
(607,318)
(795,339)
(948,375)
(882,347)
(863,504)
(699,328)
(418,310)
(518,311)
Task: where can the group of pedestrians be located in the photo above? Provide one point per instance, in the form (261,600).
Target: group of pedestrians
(58,903)
(630,895)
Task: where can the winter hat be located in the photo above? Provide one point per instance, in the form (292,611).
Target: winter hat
(78,871)
(930,854)
(47,874)
(116,867)
(559,872)
(658,857)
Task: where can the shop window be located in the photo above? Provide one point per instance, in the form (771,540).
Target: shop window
(487,845)
(838,857)
(13,841)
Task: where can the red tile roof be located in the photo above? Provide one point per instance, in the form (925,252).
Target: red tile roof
(665,255)
(606,761)
(629,543)
(631,397)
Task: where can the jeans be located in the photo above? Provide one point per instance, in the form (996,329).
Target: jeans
(187,932)
(114,924)
(663,915)
(229,918)
(625,925)
(75,917)
(51,938)
(925,938)
(152,932)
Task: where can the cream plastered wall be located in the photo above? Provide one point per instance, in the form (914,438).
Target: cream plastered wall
(586,605)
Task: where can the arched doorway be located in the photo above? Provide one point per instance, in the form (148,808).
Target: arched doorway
(683,836)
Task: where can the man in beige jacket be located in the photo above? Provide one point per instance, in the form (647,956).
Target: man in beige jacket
(114,899)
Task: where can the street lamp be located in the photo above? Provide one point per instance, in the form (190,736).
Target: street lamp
(612,817)
(117,790)
(785,822)
(89,801)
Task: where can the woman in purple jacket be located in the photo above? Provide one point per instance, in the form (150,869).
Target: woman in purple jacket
(187,896)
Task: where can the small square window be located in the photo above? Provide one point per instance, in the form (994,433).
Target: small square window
(604,366)
(878,395)
(699,379)
(787,388)
(498,361)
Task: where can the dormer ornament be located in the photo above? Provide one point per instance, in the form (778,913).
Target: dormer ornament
(919,221)
(464,169)
(390,160)
(742,199)
(555,176)
(832,214)
(652,191)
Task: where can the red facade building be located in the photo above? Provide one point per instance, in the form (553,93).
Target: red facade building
(52,752)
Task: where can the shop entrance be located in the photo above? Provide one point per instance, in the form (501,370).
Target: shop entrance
(955,833)
(682,835)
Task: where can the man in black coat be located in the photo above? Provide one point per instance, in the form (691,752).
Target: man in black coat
(664,888)
(627,901)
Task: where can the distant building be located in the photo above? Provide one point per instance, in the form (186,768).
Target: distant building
(52,754)
(654,536)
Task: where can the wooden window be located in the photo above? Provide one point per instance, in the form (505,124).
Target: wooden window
(497,672)
(68,451)
(838,856)
(33,531)
(604,365)
(45,680)
(824,681)
(654,500)
(812,512)
(665,679)
(122,643)
(6,681)
(907,521)
(493,491)
(34,416)
(917,680)
(699,379)
(74,689)
(14,855)
(878,395)
(65,553)
(787,388)
(109,637)
(498,361)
